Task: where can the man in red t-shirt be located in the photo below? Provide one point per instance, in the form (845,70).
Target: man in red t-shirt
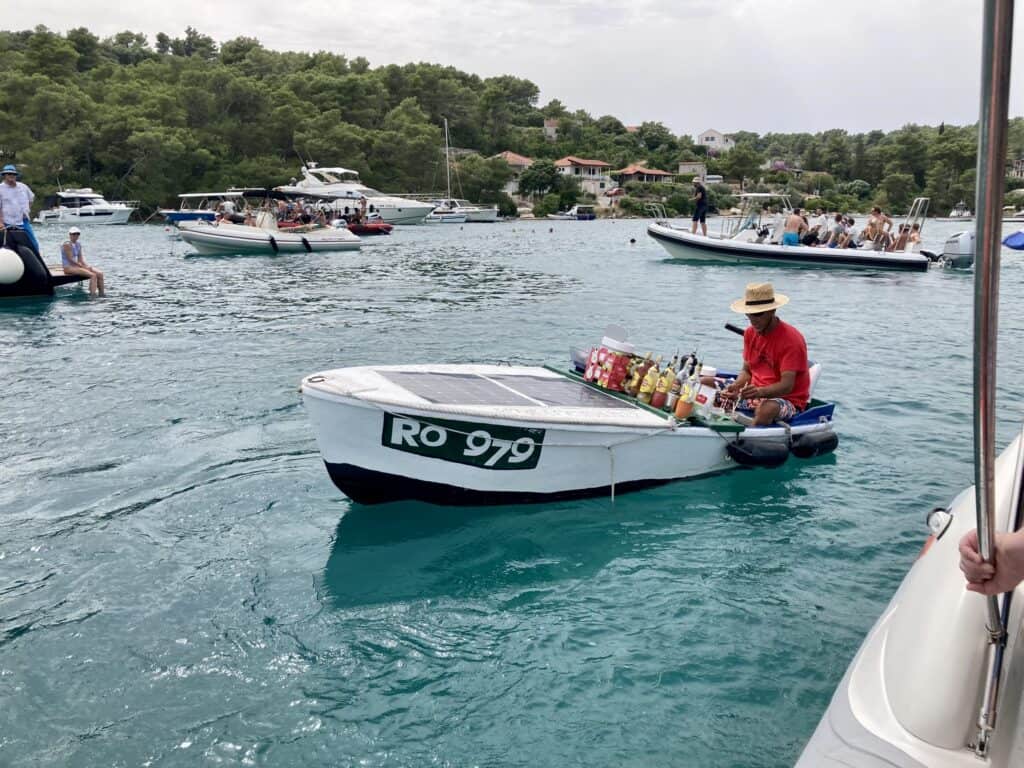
(774,381)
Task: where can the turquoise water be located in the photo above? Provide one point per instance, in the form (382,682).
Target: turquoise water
(181,585)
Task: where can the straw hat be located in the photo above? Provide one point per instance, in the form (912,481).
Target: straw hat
(696,180)
(759,297)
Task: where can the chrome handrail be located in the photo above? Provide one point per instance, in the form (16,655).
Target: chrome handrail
(997,46)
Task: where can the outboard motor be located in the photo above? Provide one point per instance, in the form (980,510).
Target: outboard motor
(958,252)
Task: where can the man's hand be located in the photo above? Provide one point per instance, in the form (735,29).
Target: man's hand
(750,392)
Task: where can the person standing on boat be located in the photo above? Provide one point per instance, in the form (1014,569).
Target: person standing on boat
(700,210)
(15,199)
(74,262)
(775,381)
(1005,571)
(794,228)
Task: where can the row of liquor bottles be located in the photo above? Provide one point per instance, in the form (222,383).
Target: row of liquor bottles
(676,388)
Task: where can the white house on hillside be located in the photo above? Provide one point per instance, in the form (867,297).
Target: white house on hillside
(592,174)
(551,129)
(518,164)
(691,169)
(715,141)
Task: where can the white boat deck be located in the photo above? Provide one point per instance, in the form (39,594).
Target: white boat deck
(519,393)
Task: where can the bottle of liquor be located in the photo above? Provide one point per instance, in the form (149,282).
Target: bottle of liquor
(661,389)
(650,381)
(632,386)
(688,389)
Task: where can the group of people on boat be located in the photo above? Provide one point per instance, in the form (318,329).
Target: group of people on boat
(294,213)
(838,230)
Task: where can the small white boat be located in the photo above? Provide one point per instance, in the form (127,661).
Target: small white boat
(491,434)
(443,215)
(576,213)
(200,205)
(223,238)
(475,214)
(84,206)
(960,212)
(753,238)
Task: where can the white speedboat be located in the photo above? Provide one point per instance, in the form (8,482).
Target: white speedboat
(960,212)
(222,238)
(444,215)
(939,680)
(576,213)
(344,186)
(197,206)
(753,238)
(475,214)
(85,206)
(489,434)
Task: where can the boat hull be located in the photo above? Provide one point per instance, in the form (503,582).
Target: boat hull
(386,451)
(910,697)
(79,216)
(690,247)
(235,239)
(482,216)
(175,216)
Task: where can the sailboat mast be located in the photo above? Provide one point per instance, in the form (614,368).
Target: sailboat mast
(447,160)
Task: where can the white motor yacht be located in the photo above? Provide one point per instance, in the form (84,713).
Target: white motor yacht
(85,206)
(475,214)
(344,185)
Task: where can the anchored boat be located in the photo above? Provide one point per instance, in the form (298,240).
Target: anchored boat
(491,434)
(753,237)
(219,238)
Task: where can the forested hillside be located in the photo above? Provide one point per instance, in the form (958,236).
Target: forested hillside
(146,120)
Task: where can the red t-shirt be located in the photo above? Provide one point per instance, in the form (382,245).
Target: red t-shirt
(781,349)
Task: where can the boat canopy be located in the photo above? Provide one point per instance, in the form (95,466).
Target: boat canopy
(200,195)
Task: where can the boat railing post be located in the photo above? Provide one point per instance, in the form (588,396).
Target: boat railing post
(996,49)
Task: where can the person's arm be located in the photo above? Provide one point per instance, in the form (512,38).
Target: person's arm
(1003,574)
(741,380)
(65,252)
(782,387)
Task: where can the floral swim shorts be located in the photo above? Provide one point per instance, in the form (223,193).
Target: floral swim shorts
(786,409)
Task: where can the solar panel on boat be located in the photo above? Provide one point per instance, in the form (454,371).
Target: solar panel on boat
(562,392)
(473,389)
(455,388)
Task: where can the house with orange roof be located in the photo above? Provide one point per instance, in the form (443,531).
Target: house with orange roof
(635,172)
(518,164)
(591,174)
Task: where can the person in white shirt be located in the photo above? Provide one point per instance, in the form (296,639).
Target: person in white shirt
(15,199)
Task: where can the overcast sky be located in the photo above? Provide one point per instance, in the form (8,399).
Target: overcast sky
(757,65)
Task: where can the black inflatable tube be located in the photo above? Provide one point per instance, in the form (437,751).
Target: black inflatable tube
(306,245)
(758,453)
(273,244)
(811,444)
